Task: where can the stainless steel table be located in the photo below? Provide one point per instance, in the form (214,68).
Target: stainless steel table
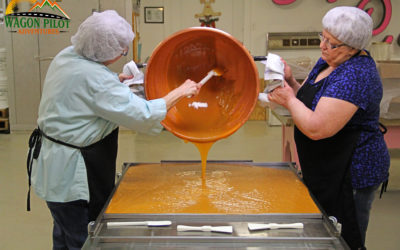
(318,231)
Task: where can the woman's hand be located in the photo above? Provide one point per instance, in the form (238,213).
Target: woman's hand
(288,74)
(189,88)
(289,78)
(122,77)
(186,89)
(282,95)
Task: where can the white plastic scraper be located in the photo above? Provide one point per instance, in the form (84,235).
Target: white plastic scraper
(140,223)
(256,226)
(211,73)
(219,229)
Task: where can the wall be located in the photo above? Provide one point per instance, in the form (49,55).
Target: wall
(2,43)
(180,14)
(250,21)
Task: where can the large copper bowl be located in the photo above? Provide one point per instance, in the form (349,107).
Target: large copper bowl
(191,54)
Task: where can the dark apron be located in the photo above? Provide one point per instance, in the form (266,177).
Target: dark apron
(100,160)
(325,165)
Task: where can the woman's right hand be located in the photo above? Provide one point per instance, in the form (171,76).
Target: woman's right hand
(288,74)
(186,89)
(189,88)
(289,78)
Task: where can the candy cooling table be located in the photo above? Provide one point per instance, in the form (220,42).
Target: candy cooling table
(232,194)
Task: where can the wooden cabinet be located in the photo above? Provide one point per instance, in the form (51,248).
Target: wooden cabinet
(389,69)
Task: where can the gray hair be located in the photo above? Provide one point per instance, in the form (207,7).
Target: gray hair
(350,25)
(102,36)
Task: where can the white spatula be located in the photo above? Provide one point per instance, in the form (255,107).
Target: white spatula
(140,223)
(211,73)
(256,226)
(219,229)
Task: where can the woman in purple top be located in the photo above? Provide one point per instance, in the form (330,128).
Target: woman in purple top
(341,149)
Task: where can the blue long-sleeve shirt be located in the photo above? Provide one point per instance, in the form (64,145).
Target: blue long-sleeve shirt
(82,102)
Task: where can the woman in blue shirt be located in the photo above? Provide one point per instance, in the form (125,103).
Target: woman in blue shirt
(341,149)
(73,151)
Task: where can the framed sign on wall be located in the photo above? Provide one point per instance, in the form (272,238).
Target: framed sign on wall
(154,14)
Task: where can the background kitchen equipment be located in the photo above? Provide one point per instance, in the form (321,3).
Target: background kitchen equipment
(299,49)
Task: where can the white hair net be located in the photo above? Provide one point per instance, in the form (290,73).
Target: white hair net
(102,36)
(350,25)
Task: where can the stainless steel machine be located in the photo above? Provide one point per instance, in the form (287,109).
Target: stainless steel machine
(232,194)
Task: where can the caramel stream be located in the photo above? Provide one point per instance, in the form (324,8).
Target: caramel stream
(204,148)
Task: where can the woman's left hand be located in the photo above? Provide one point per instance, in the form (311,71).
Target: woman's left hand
(282,95)
(122,77)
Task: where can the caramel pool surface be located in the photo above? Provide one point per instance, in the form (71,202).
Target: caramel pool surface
(226,189)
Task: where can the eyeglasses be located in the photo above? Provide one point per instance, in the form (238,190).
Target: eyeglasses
(328,43)
(125,52)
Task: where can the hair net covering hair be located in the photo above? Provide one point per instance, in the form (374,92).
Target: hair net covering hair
(102,36)
(350,25)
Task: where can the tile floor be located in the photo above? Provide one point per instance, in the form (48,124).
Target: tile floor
(255,141)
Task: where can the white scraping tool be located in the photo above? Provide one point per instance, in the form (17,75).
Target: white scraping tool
(256,226)
(219,229)
(140,223)
(211,73)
